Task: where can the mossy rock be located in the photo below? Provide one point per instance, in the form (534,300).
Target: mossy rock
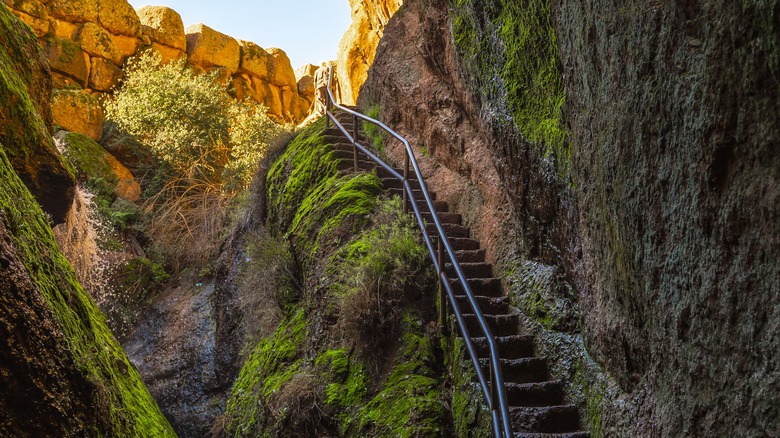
(25,118)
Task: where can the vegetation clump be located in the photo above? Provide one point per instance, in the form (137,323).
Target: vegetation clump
(511,50)
(351,355)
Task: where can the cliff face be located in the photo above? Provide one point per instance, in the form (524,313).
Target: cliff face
(63,372)
(619,162)
(87,44)
(358,45)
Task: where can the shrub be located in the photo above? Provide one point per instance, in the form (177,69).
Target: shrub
(189,121)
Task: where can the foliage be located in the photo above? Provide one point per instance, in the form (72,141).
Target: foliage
(373,132)
(190,122)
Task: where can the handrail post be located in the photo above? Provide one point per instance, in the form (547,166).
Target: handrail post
(442,298)
(406,178)
(327,107)
(354,141)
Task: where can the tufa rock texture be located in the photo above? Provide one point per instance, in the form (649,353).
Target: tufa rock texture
(358,45)
(26,119)
(88,42)
(628,155)
(63,372)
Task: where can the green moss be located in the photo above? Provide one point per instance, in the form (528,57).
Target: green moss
(516,43)
(408,405)
(469,411)
(127,403)
(594,399)
(271,364)
(309,198)
(88,157)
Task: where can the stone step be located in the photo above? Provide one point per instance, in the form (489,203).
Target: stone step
(486,287)
(500,325)
(546,421)
(437,205)
(416,192)
(509,347)
(391,182)
(534,394)
(471,270)
(521,370)
(552,435)
(470,255)
(488,305)
(450,230)
(445,217)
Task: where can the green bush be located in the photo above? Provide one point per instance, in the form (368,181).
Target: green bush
(189,121)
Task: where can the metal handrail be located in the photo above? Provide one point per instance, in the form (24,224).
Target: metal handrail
(495,391)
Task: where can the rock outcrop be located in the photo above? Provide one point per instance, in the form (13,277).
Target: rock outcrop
(26,119)
(629,153)
(88,42)
(63,372)
(358,45)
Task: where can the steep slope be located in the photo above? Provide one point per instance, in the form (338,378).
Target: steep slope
(64,374)
(619,164)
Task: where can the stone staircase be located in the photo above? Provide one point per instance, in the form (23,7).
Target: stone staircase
(537,405)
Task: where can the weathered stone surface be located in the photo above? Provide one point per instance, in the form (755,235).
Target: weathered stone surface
(67,57)
(81,11)
(305,77)
(33,13)
(77,111)
(664,234)
(280,71)
(92,161)
(242,87)
(118,17)
(269,96)
(209,49)
(358,45)
(103,74)
(254,59)
(126,45)
(97,42)
(163,25)
(167,53)
(25,118)
(64,30)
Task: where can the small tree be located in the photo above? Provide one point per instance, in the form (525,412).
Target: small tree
(189,121)
(212,143)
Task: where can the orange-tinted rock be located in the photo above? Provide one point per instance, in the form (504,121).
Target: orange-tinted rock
(167,54)
(126,45)
(163,25)
(33,13)
(103,74)
(64,30)
(67,57)
(254,59)
(209,49)
(97,42)
(118,17)
(81,11)
(280,72)
(77,111)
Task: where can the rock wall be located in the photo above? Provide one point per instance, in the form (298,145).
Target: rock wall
(620,164)
(63,372)
(358,45)
(88,41)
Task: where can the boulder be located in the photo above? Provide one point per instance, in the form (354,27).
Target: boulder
(77,111)
(242,87)
(67,57)
(118,17)
(163,25)
(209,49)
(254,59)
(281,72)
(92,161)
(25,118)
(126,45)
(126,148)
(33,13)
(269,96)
(64,30)
(305,77)
(97,42)
(81,11)
(103,74)
(167,53)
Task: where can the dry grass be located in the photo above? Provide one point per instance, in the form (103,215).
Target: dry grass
(298,405)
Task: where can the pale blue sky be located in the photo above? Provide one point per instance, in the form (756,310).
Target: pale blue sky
(309,31)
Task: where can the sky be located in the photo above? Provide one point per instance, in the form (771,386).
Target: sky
(309,31)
